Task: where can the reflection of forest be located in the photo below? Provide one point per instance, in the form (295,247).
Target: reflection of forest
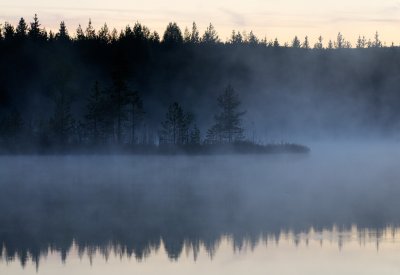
(103,203)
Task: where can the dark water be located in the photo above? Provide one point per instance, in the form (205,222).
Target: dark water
(192,214)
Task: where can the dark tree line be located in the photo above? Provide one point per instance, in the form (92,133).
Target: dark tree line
(110,87)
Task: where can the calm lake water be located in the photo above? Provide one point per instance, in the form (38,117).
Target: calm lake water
(333,211)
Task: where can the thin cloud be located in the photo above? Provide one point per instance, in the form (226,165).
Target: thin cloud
(236,18)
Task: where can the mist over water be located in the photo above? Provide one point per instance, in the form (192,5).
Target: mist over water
(136,204)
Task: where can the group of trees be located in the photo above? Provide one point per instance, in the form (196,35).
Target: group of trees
(112,116)
(179,127)
(172,35)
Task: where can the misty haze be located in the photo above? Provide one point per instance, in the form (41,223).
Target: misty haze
(187,153)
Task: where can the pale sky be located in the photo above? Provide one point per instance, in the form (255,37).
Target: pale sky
(272,18)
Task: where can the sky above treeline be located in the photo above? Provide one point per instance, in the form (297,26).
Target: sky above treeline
(271,18)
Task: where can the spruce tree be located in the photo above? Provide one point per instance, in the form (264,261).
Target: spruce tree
(22,29)
(62,34)
(210,35)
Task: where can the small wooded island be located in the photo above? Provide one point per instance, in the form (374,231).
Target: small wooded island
(110,127)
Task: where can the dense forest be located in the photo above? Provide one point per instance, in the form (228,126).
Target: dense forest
(94,88)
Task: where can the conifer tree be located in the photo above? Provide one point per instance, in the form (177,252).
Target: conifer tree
(172,34)
(227,127)
(22,29)
(194,36)
(296,43)
(210,35)
(62,34)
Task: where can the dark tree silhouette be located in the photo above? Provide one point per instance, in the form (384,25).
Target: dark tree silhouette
(62,34)
(194,36)
(104,34)
(176,127)
(210,35)
(22,29)
(90,32)
(296,42)
(227,127)
(35,33)
(80,36)
(172,34)
(8,31)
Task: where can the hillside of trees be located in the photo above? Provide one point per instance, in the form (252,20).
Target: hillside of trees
(93,88)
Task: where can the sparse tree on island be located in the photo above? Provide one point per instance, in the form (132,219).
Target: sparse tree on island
(227,127)
(176,127)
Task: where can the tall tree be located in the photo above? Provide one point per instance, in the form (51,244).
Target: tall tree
(8,31)
(276,43)
(227,127)
(319,45)
(35,33)
(252,39)
(361,42)
(306,43)
(104,34)
(62,34)
(236,38)
(296,42)
(22,29)
(90,32)
(377,42)
(80,35)
(176,127)
(186,36)
(194,36)
(210,35)
(172,34)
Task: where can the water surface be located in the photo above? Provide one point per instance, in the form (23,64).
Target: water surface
(333,211)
